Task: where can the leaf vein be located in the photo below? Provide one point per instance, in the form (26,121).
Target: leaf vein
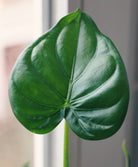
(53,90)
(32,100)
(95,90)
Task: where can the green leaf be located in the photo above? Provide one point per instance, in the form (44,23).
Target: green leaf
(73,72)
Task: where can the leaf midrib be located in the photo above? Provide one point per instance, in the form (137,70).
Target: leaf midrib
(69,92)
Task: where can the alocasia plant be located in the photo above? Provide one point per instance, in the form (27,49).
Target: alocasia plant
(73,72)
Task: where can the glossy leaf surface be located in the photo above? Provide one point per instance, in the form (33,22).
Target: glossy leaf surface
(72,72)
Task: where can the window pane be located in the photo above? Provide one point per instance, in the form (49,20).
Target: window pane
(16,32)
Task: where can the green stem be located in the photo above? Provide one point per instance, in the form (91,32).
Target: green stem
(126,153)
(66,146)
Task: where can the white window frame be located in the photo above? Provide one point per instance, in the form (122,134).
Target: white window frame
(48,148)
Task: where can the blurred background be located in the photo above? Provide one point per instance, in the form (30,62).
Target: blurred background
(21,22)
(16,32)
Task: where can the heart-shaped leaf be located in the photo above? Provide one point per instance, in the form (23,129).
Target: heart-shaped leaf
(72,72)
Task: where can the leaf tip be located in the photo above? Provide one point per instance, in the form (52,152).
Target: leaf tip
(78,11)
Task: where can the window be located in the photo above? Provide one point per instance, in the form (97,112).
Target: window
(17,22)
